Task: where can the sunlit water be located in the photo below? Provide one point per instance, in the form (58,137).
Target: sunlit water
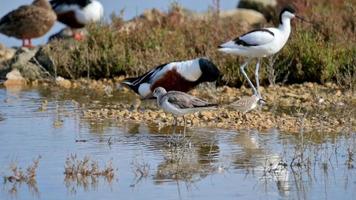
(207,164)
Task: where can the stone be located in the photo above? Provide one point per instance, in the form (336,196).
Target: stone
(14,79)
(6,53)
(248,16)
(63,82)
(25,62)
(266,7)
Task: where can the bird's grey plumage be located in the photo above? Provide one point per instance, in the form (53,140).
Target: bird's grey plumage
(179,103)
(183,100)
(246,103)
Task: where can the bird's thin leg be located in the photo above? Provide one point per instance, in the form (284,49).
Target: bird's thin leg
(242,69)
(185,125)
(257,77)
(174,124)
(30,42)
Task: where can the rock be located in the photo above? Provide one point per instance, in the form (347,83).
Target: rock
(63,82)
(24,60)
(266,7)
(14,75)
(338,93)
(14,79)
(248,16)
(6,53)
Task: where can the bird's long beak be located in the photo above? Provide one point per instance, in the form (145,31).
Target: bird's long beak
(303,19)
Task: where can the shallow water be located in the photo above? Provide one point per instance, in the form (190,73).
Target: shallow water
(207,164)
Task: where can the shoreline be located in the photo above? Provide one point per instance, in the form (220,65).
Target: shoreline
(296,108)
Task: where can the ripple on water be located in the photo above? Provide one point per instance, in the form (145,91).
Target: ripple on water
(152,162)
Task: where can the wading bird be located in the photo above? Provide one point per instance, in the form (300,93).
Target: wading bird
(77,13)
(247,103)
(180,76)
(28,22)
(260,43)
(180,103)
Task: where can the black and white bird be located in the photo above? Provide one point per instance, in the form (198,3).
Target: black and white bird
(77,13)
(180,76)
(180,103)
(261,43)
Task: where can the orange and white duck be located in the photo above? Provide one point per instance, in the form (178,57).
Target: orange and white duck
(77,13)
(28,21)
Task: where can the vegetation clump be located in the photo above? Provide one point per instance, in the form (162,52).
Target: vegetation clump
(319,52)
(75,167)
(20,176)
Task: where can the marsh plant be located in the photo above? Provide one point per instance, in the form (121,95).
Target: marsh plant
(20,176)
(86,172)
(141,171)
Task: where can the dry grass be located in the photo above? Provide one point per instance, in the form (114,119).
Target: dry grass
(20,176)
(78,169)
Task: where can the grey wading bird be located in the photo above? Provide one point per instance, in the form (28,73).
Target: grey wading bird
(180,103)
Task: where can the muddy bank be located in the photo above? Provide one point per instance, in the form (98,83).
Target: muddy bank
(305,107)
(294,108)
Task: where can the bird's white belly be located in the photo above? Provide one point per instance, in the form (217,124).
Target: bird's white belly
(168,107)
(259,51)
(263,50)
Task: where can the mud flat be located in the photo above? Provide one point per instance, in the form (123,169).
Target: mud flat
(303,107)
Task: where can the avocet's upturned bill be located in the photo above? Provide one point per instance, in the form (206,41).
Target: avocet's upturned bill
(260,43)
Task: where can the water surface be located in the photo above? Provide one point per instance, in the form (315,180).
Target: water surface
(207,164)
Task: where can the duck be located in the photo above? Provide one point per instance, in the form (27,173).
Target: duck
(77,13)
(28,22)
(178,76)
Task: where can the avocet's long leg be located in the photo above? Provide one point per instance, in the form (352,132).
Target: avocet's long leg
(242,69)
(257,77)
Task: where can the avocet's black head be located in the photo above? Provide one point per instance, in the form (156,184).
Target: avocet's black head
(287,12)
(210,71)
(83,3)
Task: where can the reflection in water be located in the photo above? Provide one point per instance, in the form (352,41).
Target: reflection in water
(260,161)
(86,172)
(218,163)
(1,117)
(20,176)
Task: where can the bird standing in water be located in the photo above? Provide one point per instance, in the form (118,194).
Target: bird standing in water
(261,43)
(28,22)
(180,103)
